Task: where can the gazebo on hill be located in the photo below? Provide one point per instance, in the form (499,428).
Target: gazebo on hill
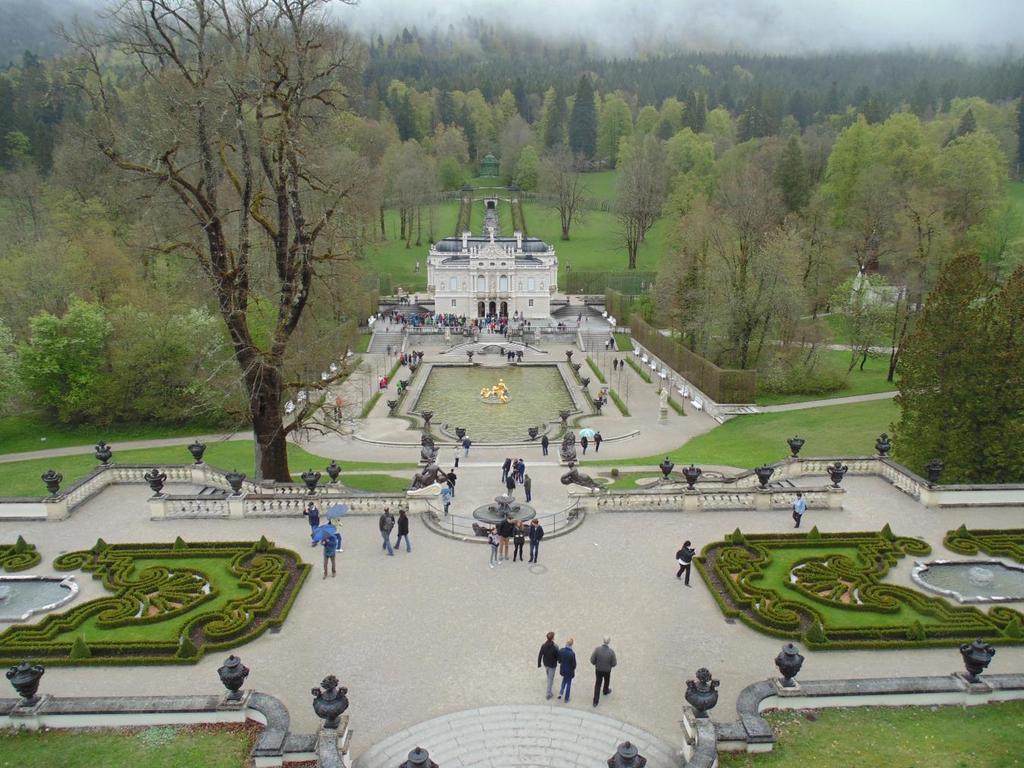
(489,165)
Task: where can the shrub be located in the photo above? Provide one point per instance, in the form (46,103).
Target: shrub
(618,402)
(797,375)
(614,472)
(80,649)
(639,370)
(596,370)
(623,342)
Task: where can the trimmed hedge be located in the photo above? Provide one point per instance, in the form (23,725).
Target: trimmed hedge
(19,556)
(160,592)
(833,599)
(618,402)
(638,369)
(997,543)
(596,370)
(623,342)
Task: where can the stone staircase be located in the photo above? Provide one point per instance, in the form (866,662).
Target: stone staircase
(593,340)
(381,339)
(520,736)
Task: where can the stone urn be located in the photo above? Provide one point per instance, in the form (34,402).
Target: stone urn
(103,453)
(311,479)
(883,445)
(934,469)
(666,468)
(235,480)
(585,381)
(233,675)
(392,404)
(427,416)
(533,432)
(333,470)
(627,756)
(564,416)
(156,480)
(795,444)
(52,480)
(460,432)
(330,701)
(25,678)
(836,473)
(764,474)
(576,368)
(419,758)
(692,474)
(789,661)
(976,655)
(702,693)
(568,355)
(470,356)
(197,450)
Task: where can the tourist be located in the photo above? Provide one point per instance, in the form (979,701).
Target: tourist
(685,559)
(446,498)
(520,470)
(597,442)
(548,654)
(536,534)
(583,444)
(799,507)
(510,484)
(527,485)
(386,523)
(314,518)
(466,442)
(331,544)
(451,482)
(506,466)
(506,530)
(544,442)
(603,659)
(455,456)
(403,530)
(615,365)
(492,539)
(518,539)
(567,662)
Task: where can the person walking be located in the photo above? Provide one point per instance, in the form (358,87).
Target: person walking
(799,507)
(455,456)
(506,530)
(518,539)
(510,484)
(536,534)
(403,531)
(567,669)
(603,659)
(520,470)
(548,656)
(492,539)
(597,442)
(451,482)
(527,485)
(685,559)
(615,365)
(331,545)
(544,442)
(386,524)
(466,442)
(446,498)
(583,444)
(313,514)
(506,467)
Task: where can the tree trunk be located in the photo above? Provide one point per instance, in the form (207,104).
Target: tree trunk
(383,233)
(268,425)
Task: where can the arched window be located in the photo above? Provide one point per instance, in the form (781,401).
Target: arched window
(503,283)
(481,284)
(454,282)
(531,284)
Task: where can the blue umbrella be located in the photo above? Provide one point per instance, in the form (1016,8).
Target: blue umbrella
(588,432)
(337,510)
(321,532)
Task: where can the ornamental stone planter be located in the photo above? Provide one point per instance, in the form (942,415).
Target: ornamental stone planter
(232,675)
(883,445)
(533,432)
(627,756)
(333,470)
(934,469)
(977,656)
(764,474)
(103,453)
(156,480)
(52,480)
(702,693)
(25,678)
(311,479)
(666,468)
(836,473)
(460,432)
(795,444)
(692,474)
(235,480)
(197,450)
(419,758)
(330,702)
(789,661)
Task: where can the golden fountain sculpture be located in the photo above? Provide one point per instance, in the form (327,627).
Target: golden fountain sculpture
(496,394)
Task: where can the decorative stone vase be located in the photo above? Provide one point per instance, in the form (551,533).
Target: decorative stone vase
(25,678)
(311,479)
(533,432)
(692,474)
(836,473)
(702,693)
(795,444)
(460,432)
(233,675)
(585,381)
(934,469)
(470,356)
(156,480)
(427,416)
(764,474)
(103,453)
(564,416)
(977,656)
(197,450)
(789,661)
(52,480)
(392,404)
(330,702)
(627,756)
(568,355)
(883,445)
(419,758)
(576,367)
(333,470)
(666,468)
(235,480)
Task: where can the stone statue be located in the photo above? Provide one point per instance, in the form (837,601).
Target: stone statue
(663,398)
(431,474)
(575,477)
(568,450)
(428,451)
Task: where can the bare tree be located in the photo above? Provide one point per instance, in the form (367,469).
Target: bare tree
(560,180)
(229,97)
(642,187)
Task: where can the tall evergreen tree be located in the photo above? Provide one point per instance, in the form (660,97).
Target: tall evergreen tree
(583,120)
(553,119)
(522,102)
(968,123)
(446,108)
(791,176)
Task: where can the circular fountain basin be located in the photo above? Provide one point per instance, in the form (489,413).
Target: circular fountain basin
(21,596)
(504,507)
(972,581)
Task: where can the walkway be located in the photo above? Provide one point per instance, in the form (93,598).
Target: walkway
(128,445)
(824,403)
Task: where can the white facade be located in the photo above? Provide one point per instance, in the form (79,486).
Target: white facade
(480,276)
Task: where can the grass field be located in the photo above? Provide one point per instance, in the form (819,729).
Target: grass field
(870,380)
(393,258)
(748,441)
(376,483)
(222,746)
(987,736)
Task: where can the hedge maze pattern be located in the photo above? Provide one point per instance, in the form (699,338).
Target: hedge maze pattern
(826,590)
(1005,543)
(19,556)
(171,603)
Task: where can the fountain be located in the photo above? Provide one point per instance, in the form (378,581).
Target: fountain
(496,394)
(972,581)
(21,596)
(504,508)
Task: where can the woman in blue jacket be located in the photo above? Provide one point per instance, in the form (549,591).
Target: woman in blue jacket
(567,669)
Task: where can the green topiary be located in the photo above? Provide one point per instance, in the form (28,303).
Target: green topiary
(263,545)
(80,649)
(737,537)
(814,534)
(816,633)
(179,543)
(915,631)
(1013,629)
(21,546)
(887,533)
(99,546)
(187,649)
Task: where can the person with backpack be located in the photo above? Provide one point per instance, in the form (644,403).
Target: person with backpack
(386,523)
(403,531)
(536,534)
(597,442)
(685,559)
(492,539)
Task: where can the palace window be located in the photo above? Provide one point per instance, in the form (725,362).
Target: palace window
(455,303)
(481,284)
(454,283)
(531,284)
(531,302)
(503,283)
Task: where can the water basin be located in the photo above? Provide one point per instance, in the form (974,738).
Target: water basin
(972,581)
(21,596)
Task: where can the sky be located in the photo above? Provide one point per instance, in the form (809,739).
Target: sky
(775,26)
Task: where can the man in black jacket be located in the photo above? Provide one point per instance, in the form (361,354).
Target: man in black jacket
(685,559)
(505,531)
(549,656)
(536,534)
(505,467)
(544,442)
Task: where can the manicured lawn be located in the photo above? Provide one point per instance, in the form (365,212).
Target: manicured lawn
(837,326)
(392,257)
(222,746)
(376,483)
(26,433)
(363,344)
(872,379)
(21,478)
(624,342)
(748,441)
(988,736)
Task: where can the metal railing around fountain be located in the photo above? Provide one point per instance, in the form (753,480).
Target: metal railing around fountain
(462,525)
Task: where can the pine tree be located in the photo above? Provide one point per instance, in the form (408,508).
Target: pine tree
(583,120)
(968,124)
(553,119)
(792,177)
